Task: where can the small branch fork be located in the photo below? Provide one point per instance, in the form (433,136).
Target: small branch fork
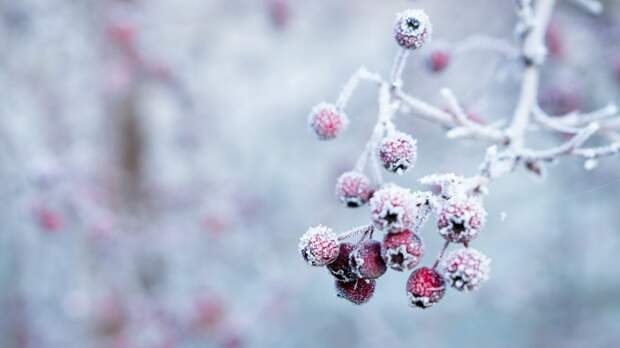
(508,143)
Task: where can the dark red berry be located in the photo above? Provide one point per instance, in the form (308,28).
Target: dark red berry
(341,268)
(425,287)
(402,250)
(366,261)
(358,291)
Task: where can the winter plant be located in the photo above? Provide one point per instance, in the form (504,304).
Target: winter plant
(355,258)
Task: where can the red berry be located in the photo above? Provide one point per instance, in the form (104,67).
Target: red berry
(425,287)
(366,261)
(412,29)
(327,121)
(393,208)
(439,60)
(466,269)
(319,246)
(398,152)
(49,220)
(460,220)
(402,250)
(358,291)
(341,268)
(353,189)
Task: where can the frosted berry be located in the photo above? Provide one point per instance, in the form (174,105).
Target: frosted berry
(466,269)
(366,261)
(393,208)
(341,268)
(438,60)
(319,246)
(425,287)
(358,291)
(460,220)
(412,29)
(327,121)
(353,189)
(402,250)
(398,152)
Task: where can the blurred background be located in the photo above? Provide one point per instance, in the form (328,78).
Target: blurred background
(157,171)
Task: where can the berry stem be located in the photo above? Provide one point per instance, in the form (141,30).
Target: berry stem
(364,230)
(397,69)
(441,254)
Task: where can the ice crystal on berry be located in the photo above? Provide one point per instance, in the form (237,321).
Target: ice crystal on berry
(466,269)
(327,121)
(353,189)
(319,246)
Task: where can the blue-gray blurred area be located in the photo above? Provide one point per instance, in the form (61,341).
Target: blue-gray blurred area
(157,172)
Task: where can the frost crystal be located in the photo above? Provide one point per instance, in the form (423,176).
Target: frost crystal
(466,269)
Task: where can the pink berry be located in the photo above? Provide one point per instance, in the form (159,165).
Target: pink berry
(327,121)
(402,250)
(358,291)
(393,208)
(439,60)
(398,152)
(425,287)
(319,246)
(366,261)
(466,269)
(353,189)
(412,29)
(341,268)
(460,220)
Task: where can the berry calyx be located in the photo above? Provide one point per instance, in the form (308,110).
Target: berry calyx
(358,291)
(353,189)
(466,269)
(425,287)
(319,246)
(341,268)
(366,261)
(327,121)
(402,250)
(398,152)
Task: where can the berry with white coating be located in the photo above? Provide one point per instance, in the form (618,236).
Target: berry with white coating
(398,152)
(393,208)
(425,287)
(402,250)
(466,269)
(341,268)
(366,261)
(412,29)
(353,189)
(327,121)
(319,246)
(358,292)
(460,220)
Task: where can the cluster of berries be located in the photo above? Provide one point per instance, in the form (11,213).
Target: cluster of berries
(398,212)
(401,213)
